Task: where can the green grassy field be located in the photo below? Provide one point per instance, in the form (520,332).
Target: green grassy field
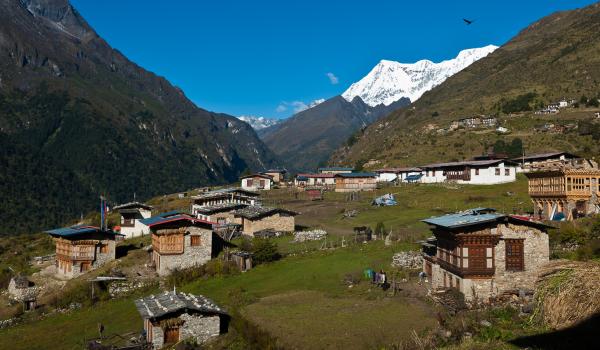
(284,297)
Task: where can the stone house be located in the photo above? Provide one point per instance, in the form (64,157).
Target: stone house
(314,180)
(131,216)
(182,241)
(278,175)
(254,219)
(171,317)
(473,172)
(483,253)
(22,290)
(353,182)
(82,248)
(257,182)
(221,197)
(544,160)
(395,174)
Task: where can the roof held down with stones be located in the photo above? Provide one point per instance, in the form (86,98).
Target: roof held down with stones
(175,303)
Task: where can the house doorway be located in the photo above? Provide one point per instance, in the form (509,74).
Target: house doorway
(171,335)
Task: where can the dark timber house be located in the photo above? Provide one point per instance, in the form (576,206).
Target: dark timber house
(483,253)
(81,248)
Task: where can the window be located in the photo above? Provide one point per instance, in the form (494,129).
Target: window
(476,171)
(195,241)
(507,172)
(104,248)
(514,255)
(497,171)
(249,182)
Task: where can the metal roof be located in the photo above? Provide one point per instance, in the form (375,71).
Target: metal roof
(155,306)
(224,192)
(149,221)
(77,230)
(356,175)
(183,218)
(335,168)
(397,170)
(264,176)
(546,156)
(463,219)
(473,163)
(477,216)
(318,176)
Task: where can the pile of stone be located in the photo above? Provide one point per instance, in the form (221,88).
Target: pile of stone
(407,260)
(313,235)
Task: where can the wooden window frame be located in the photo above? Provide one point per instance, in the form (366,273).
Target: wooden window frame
(195,241)
(515,258)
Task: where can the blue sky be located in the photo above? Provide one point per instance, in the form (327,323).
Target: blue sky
(266,58)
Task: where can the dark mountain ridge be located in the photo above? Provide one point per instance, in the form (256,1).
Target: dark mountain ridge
(78,119)
(307,139)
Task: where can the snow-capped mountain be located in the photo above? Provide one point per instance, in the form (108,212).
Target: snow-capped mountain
(389,81)
(258,123)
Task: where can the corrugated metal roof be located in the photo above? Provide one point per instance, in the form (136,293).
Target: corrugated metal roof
(335,169)
(318,176)
(397,170)
(177,218)
(356,175)
(546,156)
(77,230)
(149,221)
(467,218)
(473,163)
(133,205)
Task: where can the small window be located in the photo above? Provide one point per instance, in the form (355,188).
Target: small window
(477,171)
(497,171)
(514,255)
(507,172)
(104,249)
(249,182)
(195,241)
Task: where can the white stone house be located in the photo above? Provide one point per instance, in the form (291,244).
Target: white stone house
(482,253)
(473,172)
(131,216)
(257,182)
(315,180)
(171,317)
(395,174)
(182,241)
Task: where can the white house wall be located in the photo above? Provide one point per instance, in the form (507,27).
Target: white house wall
(487,176)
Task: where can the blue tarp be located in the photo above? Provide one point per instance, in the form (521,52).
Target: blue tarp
(385,200)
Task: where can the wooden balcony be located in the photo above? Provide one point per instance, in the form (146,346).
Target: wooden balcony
(466,272)
(458,175)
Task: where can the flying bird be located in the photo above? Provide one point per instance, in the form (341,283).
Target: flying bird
(468,22)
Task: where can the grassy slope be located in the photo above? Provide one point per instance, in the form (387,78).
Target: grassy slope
(319,272)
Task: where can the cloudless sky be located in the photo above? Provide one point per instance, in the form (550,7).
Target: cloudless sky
(249,57)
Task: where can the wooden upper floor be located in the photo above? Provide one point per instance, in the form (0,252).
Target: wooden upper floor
(564,183)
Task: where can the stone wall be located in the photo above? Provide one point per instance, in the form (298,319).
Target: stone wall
(536,254)
(275,222)
(158,337)
(200,327)
(192,256)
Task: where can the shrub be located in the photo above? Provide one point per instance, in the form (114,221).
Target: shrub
(264,251)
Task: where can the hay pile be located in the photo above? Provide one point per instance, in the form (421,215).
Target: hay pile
(568,292)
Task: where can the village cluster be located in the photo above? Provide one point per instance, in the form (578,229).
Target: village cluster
(480,252)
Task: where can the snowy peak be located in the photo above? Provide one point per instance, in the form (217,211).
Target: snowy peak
(258,123)
(389,81)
